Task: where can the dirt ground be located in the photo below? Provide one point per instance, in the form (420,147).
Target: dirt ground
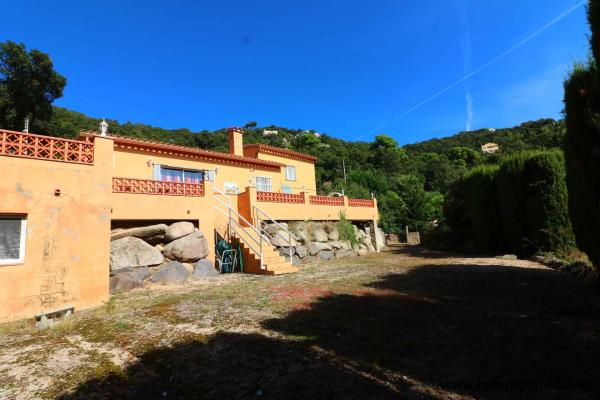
(407,324)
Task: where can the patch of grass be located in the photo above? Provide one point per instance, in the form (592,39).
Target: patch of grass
(110,305)
(62,328)
(346,230)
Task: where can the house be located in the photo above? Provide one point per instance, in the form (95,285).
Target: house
(490,148)
(269,133)
(59,199)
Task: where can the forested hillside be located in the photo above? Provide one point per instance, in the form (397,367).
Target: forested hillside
(410,182)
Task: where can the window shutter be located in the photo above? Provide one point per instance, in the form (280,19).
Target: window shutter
(156,175)
(210,175)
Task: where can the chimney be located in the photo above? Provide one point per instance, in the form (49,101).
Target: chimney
(236,141)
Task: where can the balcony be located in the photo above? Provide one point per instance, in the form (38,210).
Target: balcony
(302,206)
(152,187)
(274,197)
(27,145)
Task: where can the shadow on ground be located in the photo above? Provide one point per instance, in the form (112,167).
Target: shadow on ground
(488,332)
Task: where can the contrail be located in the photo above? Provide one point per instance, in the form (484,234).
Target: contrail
(465,45)
(469,101)
(477,70)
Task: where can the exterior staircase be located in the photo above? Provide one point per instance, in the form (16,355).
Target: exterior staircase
(274,263)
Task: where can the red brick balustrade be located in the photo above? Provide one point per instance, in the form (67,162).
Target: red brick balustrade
(327,201)
(273,197)
(361,203)
(147,186)
(26,145)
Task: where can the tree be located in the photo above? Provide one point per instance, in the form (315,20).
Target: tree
(464,157)
(250,125)
(582,144)
(386,155)
(307,142)
(418,208)
(28,85)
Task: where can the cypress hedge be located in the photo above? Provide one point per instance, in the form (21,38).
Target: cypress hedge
(520,206)
(512,188)
(548,226)
(582,144)
(484,209)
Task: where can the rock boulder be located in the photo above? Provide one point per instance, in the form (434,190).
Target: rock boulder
(142,232)
(315,247)
(326,255)
(126,281)
(301,251)
(282,239)
(173,272)
(189,248)
(204,269)
(345,253)
(319,234)
(334,234)
(132,252)
(178,230)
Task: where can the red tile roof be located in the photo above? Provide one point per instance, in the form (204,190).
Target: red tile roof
(193,152)
(252,149)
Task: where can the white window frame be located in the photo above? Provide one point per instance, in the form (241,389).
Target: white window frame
(22,242)
(290,173)
(264,183)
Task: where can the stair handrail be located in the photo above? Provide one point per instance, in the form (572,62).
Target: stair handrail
(231,209)
(231,221)
(257,211)
(219,191)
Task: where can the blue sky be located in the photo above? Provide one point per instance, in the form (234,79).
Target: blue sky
(352,69)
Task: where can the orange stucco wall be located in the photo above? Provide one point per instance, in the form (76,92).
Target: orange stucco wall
(139,164)
(68,236)
(67,246)
(305,173)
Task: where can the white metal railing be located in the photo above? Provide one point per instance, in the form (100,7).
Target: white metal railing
(238,229)
(257,214)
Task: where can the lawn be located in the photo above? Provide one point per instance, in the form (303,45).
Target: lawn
(401,324)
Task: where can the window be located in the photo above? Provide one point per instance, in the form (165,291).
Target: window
(231,187)
(286,189)
(13,230)
(263,184)
(169,174)
(290,173)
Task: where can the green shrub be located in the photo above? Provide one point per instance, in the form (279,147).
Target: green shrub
(520,207)
(512,189)
(533,203)
(484,210)
(548,226)
(346,230)
(582,144)
(456,230)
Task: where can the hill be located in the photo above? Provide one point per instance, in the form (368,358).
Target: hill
(409,182)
